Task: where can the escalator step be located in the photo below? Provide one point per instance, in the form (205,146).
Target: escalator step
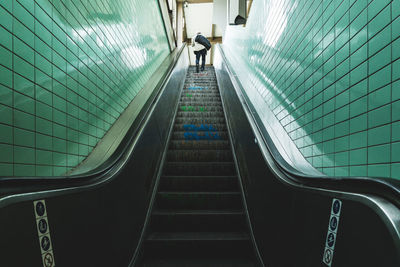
(201,87)
(201,103)
(188,97)
(204,236)
(199,155)
(200,128)
(198,200)
(199,183)
(199,94)
(199,121)
(199,244)
(202,114)
(199,107)
(200,168)
(199,262)
(198,212)
(199,144)
(199,82)
(198,221)
(180,135)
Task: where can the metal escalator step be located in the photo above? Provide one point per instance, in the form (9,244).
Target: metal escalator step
(201,76)
(207,89)
(190,98)
(199,221)
(190,236)
(201,103)
(195,84)
(199,82)
(200,168)
(199,262)
(204,77)
(198,107)
(198,212)
(199,96)
(199,144)
(191,245)
(198,86)
(207,92)
(189,127)
(210,91)
(199,183)
(199,121)
(199,155)
(180,135)
(203,114)
(198,200)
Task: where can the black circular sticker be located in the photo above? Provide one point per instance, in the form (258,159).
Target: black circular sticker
(42,226)
(45,243)
(40,208)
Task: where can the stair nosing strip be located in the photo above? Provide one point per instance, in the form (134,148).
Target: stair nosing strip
(200,193)
(199,176)
(197,212)
(209,236)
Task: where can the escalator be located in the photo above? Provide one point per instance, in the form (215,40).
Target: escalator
(198,182)
(198,218)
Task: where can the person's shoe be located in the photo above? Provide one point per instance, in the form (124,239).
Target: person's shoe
(202,69)
(197,68)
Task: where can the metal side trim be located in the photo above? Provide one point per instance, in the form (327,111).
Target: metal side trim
(157,182)
(248,220)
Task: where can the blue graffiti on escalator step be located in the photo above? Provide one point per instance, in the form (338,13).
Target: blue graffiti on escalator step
(202,132)
(203,127)
(197,88)
(206,136)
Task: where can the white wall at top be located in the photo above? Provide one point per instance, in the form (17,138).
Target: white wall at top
(220,16)
(199,19)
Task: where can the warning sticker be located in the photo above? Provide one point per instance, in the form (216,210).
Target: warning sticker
(332,231)
(40,208)
(48,259)
(45,244)
(328,255)
(330,240)
(43,231)
(42,226)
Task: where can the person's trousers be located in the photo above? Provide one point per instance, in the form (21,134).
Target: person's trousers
(203,54)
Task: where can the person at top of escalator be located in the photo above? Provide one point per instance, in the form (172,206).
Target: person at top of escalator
(200,46)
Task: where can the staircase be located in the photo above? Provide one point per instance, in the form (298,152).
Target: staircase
(198,217)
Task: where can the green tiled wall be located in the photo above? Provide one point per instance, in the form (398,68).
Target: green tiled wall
(68,68)
(332,73)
